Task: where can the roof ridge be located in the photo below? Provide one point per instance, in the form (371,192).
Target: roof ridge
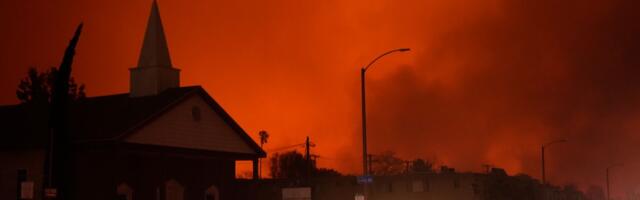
(117,94)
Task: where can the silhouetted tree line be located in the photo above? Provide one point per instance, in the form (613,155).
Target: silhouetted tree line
(38,87)
(388,164)
(293,165)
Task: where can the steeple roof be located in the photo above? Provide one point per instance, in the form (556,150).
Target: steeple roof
(155,52)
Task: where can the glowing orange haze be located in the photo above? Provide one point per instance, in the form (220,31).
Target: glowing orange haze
(485,82)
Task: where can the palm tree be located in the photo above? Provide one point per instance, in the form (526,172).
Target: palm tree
(264,136)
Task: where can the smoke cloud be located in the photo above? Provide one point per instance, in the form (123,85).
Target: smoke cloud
(495,86)
(486,82)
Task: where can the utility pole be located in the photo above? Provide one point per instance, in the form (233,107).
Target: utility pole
(543,172)
(308,157)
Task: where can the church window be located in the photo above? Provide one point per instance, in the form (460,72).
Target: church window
(124,192)
(212,193)
(173,190)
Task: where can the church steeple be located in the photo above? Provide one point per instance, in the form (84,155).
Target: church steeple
(155,52)
(154,72)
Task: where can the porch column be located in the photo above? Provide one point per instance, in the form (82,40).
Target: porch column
(255,169)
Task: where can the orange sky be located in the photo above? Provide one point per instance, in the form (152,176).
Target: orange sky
(486,81)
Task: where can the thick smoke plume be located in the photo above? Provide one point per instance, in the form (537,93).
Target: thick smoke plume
(486,82)
(492,87)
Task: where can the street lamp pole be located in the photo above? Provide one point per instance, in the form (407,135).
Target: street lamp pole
(616,165)
(365,171)
(364,124)
(544,181)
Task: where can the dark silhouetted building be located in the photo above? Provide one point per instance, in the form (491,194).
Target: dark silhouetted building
(160,141)
(444,185)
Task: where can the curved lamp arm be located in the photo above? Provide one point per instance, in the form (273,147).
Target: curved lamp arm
(554,142)
(384,54)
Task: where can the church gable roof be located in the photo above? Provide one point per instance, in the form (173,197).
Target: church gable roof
(109,118)
(191,124)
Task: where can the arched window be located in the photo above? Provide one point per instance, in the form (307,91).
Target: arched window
(212,193)
(173,190)
(124,192)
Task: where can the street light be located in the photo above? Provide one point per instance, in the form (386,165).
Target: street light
(611,166)
(543,146)
(365,171)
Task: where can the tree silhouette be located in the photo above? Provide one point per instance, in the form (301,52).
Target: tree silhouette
(61,160)
(264,136)
(289,165)
(421,166)
(293,165)
(38,87)
(386,164)
(326,172)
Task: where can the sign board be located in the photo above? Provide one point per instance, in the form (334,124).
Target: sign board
(365,179)
(298,193)
(50,192)
(359,197)
(26,190)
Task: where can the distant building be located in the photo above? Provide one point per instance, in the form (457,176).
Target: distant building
(160,141)
(446,185)
(452,186)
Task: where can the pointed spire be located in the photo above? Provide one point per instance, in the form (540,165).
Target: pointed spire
(154,72)
(155,52)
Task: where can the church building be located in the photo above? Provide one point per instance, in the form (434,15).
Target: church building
(159,141)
